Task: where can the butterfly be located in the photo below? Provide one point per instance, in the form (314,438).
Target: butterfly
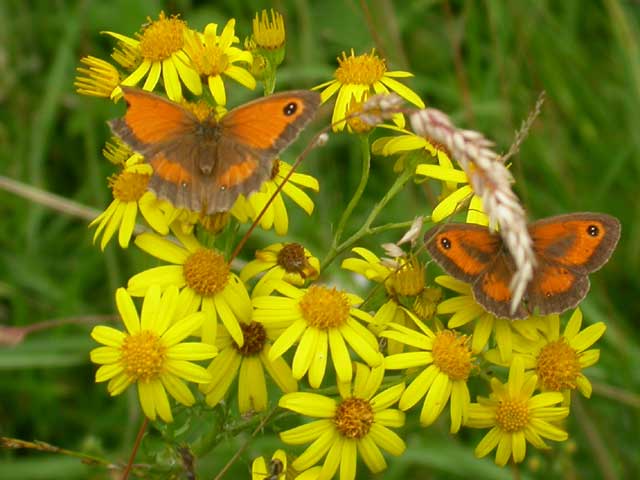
(567,248)
(203,165)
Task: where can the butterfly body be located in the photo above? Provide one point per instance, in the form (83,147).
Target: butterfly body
(204,164)
(567,249)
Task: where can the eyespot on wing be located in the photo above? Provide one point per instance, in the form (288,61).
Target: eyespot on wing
(462,250)
(581,241)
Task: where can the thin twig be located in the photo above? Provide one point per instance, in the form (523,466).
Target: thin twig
(53,201)
(136,445)
(50,200)
(244,446)
(525,128)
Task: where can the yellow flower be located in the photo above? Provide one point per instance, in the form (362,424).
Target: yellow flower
(358,77)
(447,360)
(558,359)
(452,196)
(322,321)
(268,34)
(290,262)
(161,47)
(276,215)
(213,55)
(275,470)
(406,278)
(401,276)
(357,423)
(248,363)
(152,354)
(516,416)
(204,277)
(129,188)
(465,309)
(100,79)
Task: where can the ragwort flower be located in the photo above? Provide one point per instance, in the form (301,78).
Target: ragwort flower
(356,424)
(248,363)
(447,361)
(130,194)
(214,55)
(558,359)
(204,277)
(359,77)
(152,354)
(161,48)
(516,416)
(290,262)
(322,321)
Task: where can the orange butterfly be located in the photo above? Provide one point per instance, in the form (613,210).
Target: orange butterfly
(567,247)
(204,165)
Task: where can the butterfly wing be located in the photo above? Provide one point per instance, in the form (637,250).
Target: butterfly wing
(473,254)
(251,137)
(568,248)
(152,123)
(166,134)
(204,166)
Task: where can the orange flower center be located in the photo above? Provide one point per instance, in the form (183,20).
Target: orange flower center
(128,186)
(452,355)
(558,366)
(512,415)
(208,58)
(162,38)
(143,355)
(365,69)
(354,417)
(409,279)
(324,308)
(255,337)
(206,272)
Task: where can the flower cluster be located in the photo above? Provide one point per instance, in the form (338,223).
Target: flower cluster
(275,325)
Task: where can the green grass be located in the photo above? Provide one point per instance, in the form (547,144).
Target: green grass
(484,63)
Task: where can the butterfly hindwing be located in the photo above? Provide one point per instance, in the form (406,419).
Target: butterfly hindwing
(555,288)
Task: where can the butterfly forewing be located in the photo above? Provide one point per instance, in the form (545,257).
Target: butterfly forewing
(463,250)
(152,123)
(583,242)
(268,125)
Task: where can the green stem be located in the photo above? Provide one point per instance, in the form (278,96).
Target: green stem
(365,229)
(357,195)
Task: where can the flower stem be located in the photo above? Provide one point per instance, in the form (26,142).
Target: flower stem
(136,445)
(357,195)
(336,249)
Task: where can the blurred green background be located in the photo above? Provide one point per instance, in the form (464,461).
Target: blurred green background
(483,62)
